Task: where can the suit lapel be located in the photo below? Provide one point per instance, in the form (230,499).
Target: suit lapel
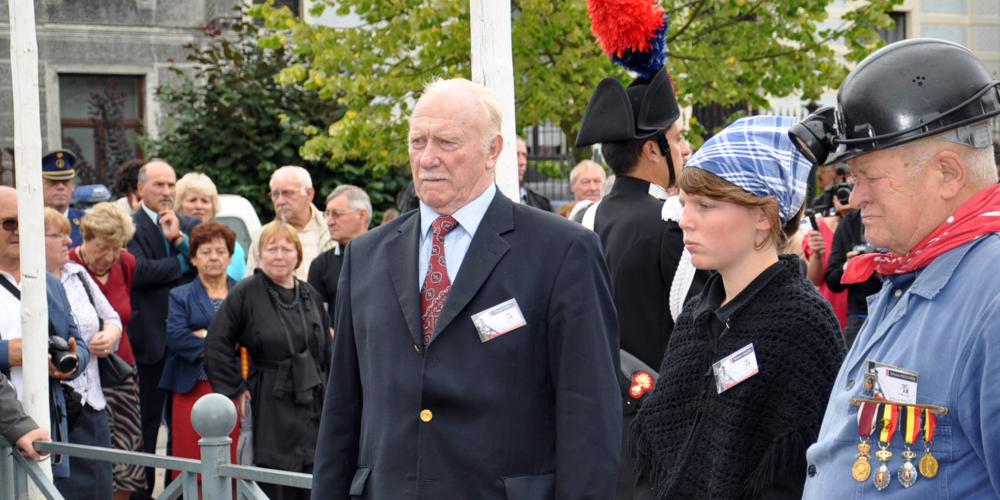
(150,232)
(403,272)
(201,298)
(485,251)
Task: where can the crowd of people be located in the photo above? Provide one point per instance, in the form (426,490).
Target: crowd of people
(675,331)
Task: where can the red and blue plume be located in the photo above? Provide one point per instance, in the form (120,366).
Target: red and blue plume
(632,32)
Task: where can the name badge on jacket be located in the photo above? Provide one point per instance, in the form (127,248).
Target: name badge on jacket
(735,368)
(498,320)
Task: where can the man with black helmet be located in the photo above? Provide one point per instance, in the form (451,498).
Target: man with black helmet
(912,122)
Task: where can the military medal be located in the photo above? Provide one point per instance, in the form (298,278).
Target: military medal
(862,468)
(929,464)
(889,419)
(907,473)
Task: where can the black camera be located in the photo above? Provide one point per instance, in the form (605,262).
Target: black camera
(64,359)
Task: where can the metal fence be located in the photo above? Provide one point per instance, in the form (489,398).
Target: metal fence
(213,417)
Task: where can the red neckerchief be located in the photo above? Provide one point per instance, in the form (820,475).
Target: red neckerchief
(979,216)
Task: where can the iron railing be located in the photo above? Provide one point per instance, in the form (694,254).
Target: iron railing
(213,417)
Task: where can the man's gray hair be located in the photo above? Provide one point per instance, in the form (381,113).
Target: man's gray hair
(979,161)
(573,174)
(300,173)
(141,178)
(357,198)
(492,111)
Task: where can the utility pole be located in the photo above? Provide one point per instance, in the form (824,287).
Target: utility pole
(493,66)
(28,149)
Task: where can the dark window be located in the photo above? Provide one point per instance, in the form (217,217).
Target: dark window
(101,119)
(898,30)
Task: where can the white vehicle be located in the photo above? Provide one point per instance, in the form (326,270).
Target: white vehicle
(236,212)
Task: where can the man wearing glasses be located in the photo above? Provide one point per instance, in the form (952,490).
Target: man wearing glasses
(292,194)
(348,214)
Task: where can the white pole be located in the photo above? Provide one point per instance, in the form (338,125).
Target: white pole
(493,66)
(28,153)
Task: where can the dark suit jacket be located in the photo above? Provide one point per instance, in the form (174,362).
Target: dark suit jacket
(190,309)
(533,414)
(156,272)
(533,199)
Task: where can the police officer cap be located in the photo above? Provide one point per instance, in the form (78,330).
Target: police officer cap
(908,90)
(616,113)
(59,165)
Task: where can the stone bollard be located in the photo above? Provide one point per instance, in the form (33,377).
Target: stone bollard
(213,418)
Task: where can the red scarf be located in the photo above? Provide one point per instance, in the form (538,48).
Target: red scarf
(979,216)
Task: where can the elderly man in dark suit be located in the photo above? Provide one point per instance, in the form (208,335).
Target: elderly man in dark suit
(476,341)
(160,246)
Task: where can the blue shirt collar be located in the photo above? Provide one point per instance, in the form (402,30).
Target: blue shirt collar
(468,217)
(938,272)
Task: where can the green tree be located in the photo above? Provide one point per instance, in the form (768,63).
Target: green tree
(230,119)
(720,51)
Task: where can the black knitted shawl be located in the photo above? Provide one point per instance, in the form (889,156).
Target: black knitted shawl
(694,443)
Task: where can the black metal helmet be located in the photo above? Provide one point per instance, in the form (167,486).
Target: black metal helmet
(902,92)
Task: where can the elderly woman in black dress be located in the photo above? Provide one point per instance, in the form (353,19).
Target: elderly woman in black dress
(281,322)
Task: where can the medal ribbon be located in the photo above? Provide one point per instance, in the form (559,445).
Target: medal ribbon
(866,419)
(913,415)
(890,420)
(930,423)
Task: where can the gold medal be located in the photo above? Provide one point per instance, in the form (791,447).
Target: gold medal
(862,468)
(928,465)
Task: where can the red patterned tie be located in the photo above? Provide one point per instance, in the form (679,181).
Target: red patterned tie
(436,282)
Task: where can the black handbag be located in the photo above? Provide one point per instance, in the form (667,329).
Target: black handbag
(114,370)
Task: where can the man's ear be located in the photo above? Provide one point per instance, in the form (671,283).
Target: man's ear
(496,146)
(651,150)
(950,171)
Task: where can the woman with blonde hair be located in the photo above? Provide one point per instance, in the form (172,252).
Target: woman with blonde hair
(106,228)
(281,322)
(198,197)
(101,327)
(749,367)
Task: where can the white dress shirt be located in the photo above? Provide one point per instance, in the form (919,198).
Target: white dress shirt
(456,243)
(10,328)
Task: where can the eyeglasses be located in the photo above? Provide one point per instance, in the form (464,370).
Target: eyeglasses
(285,193)
(9,225)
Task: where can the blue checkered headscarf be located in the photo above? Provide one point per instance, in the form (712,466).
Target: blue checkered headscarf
(756,154)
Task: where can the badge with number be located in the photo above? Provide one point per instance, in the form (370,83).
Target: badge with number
(735,368)
(498,320)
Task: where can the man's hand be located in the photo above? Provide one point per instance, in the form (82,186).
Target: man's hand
(171,226)
(102,344)
(816,243)
(852,254)
(58,375)
(15,352)
(200,333)
(24,443)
